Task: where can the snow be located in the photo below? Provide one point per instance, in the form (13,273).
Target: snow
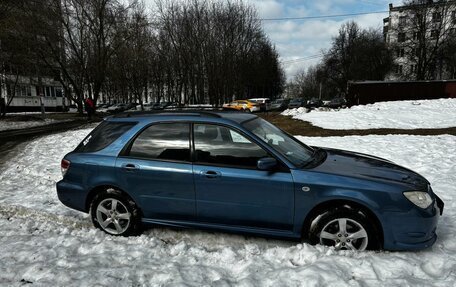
(440,113)
(46,243)
(14,125)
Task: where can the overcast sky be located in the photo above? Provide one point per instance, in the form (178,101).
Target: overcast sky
(307,38)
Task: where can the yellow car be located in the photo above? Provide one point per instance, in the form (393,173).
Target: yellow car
(242,105)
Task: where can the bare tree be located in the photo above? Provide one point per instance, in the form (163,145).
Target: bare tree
(449,54)
(310,83)
(356,54)
(16,53)
(198,51)
(215,52)
(422,33)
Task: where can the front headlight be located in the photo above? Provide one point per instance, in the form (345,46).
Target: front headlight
(419,198)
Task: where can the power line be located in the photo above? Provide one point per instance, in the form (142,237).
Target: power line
(372,2)
(293,61)
(322,16)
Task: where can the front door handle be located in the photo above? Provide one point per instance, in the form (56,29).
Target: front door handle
(130,167)
(211,174)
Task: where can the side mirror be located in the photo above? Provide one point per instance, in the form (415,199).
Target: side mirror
(266,163)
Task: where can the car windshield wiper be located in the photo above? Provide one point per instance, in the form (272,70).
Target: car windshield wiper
(317,156)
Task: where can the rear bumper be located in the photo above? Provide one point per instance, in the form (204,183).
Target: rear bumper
(412,230)
(71,195)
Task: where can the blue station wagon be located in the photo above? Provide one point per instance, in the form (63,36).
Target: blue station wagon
(236,172)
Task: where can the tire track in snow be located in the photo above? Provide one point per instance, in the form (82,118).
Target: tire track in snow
(8,211)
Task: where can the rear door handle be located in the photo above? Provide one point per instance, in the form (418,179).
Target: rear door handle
(211,174)
(130,167)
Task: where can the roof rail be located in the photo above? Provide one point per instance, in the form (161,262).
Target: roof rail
(197,113)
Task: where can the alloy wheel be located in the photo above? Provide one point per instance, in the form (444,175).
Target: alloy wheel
(113,216)
(344,233)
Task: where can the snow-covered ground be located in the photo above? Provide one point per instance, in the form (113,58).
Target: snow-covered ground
(440,113)
(14,125)
(44,243)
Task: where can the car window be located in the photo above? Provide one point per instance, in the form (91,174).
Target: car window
(298,153)
(103,135)
(166,141)
(220,145)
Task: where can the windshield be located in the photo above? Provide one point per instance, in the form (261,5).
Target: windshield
(296,152)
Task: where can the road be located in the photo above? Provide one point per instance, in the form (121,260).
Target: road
(11,139)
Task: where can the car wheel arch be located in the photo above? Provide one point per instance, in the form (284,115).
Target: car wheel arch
(324,206)
(100,188)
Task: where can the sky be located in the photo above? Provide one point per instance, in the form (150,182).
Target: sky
(301,42)
(298,39)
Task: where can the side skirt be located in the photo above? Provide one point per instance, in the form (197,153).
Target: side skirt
(225,228)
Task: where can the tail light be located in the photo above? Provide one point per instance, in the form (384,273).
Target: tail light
(65,165)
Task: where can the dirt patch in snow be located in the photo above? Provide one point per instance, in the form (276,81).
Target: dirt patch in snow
(304,128)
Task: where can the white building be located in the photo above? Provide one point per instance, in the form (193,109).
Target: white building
(415,32)
(28,93)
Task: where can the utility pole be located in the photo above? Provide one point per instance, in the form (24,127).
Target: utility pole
(320,91)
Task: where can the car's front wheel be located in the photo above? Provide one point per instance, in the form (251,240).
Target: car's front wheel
(115,213)
(345,229)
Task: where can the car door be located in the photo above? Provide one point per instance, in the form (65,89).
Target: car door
(230,189)
(156,169)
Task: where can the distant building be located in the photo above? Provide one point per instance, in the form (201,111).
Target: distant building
(27,93)
(26,82)
(417,30)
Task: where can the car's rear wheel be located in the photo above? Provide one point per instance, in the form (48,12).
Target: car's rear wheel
(345,229)
(115,213)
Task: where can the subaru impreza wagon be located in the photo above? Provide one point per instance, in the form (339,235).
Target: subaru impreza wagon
(236,172)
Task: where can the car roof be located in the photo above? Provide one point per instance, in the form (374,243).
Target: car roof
(238,117)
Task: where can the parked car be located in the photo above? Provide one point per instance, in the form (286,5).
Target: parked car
(149,106)
(337,103)
(314,103)
(242,105)
(117,108)
(296,103)
(134,107)
(174,106)
(264,103)
(239,173)
(103,108)
(164,105)
(280,104)
(157,106)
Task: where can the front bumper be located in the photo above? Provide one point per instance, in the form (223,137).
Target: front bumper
(412,230)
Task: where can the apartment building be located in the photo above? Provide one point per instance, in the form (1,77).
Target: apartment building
(421,35)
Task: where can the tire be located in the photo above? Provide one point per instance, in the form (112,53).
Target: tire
(115,213)
(360,233)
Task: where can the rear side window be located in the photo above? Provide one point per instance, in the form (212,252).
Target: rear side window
(167,141)
(222,146)
(103,135)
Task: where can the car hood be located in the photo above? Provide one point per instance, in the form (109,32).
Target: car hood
(347,163)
